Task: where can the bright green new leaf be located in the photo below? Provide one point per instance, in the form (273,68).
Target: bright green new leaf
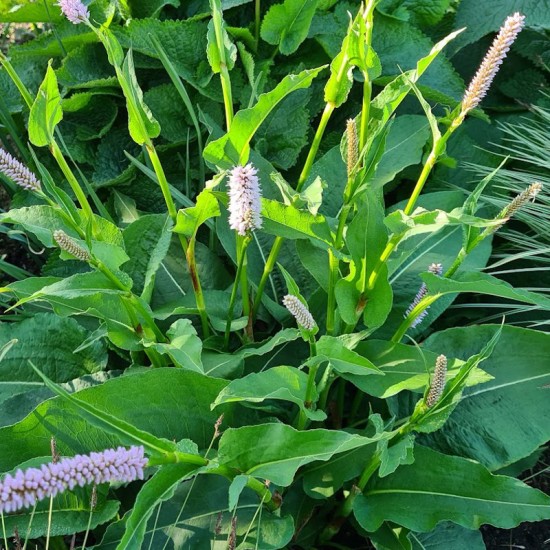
(46,112)
(277,451)
(141,123)
(279,383)
(234,147)
(224,53)
(287,24)
(190,219)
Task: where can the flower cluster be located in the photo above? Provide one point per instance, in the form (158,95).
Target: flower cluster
(436,269)
(245,203)
(17,172)
(69,245)
(480,84)
(26,487)
(299,311)
(353,151)
(74,10)
(438,381)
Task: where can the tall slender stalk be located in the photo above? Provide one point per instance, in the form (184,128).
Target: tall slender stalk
(277,244)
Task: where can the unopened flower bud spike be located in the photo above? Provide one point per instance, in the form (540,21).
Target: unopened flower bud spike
(18,172)
(437,385)
(436,269)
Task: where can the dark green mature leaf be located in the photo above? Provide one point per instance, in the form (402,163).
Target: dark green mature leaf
(86,67)
(178,403)
(160,488)
(279,383)
(149,8)
(481,20)
(50,341)
(448,535)
(188,520)
(507,418)
(46,111)
(129,434)
(276,451)
(287,24)
(439,487)
(183,41)
(234,147)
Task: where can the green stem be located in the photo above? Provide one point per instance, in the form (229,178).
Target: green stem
(189,250)
(268,268)
(4,530)
(242,244)
(275,249)
(334,269)
(163,182)
(257,16)
(25,94)
(329,108)
(310,388)
(73,182)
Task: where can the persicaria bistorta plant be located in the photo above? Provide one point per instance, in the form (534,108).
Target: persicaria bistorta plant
(262,283)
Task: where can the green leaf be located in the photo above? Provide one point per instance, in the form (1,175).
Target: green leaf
(483,283)
(184,347)
(404,147)
(405,368)
(277,451)
(393,456)
(448,535)
(438,487)
(354,52)
(146,241)
(196,508)
(343,360)
(108,422)
(158,489)
(234,147)
(149,8)
(24,11)
(50,341)
(291,223)
(507,418)
(177,407)
(279,383)
(190,219)
(141,123)
(215,56)
(497,11)
(286,25)
(46,112)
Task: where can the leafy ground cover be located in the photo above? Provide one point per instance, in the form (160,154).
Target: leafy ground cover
(288,261)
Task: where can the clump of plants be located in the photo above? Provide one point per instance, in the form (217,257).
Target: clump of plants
(231,338)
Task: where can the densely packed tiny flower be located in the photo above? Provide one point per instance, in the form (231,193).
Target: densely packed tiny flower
(69,245)
(18,172)
(480,84)
(245,202)
(74,10)
(299,311)
(436,269)
(353,151)
(438,381)
(529,194)
(26,487)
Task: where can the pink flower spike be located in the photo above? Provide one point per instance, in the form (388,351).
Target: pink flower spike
(74,10)
(245,200)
